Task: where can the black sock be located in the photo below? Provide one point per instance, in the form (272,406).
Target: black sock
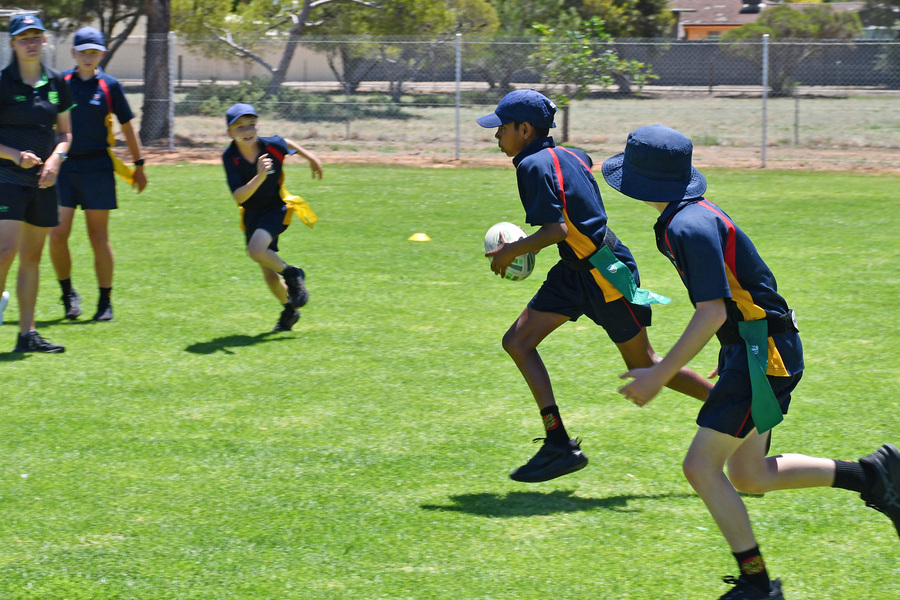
(753,568)
(852,476)
(66,285)
(105,293)
(553,425)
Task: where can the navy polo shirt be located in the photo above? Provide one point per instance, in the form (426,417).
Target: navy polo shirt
(28,118)
(238,172)
(579,204)
(716,260)
(89,131)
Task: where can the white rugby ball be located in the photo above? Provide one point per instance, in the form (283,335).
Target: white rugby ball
(523,265)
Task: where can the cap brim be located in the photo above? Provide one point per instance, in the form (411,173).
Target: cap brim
(491,120)
(231,122)
(24,29)
(646,189)
(89,46)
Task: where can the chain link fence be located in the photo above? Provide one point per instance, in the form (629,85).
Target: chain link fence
(839,100)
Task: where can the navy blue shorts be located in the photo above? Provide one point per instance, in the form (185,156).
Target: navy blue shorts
(32,205)
(727,409)
(574,293)
(89,183)
(268,219)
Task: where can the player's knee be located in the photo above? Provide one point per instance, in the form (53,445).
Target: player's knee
(513,344)
(697,471)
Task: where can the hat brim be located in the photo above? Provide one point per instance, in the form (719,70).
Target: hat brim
(26,28)
(89,46)
(644,188)
(491,120)
(244,114)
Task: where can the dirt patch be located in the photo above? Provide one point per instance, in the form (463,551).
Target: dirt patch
(861,159)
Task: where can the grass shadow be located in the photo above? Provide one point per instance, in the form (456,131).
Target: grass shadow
(530,504)
(225,344)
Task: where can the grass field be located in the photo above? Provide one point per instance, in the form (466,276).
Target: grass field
(183,451)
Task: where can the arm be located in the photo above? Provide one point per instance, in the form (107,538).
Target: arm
(134,147)
(547,235)
(54,161)
(314,163)
(707,319)
(243,193)
(22,158)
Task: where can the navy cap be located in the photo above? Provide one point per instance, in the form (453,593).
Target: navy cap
(237,111)
(522,106)
(655,167)
(88,38)
(24,22)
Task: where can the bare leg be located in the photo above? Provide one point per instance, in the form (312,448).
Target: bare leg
(31,247)
(98,233)
(521,342)
(59,244)
(10,234)
(276,284)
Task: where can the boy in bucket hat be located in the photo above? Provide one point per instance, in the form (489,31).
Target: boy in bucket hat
(760,363)
(561,197)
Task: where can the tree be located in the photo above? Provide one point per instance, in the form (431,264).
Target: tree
(157,100)
(815,21)
(581,58)
(885,14)
(109,16)
(241,28)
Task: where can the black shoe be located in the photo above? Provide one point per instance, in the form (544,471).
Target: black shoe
(104,311)
(32,342)
(551,461)
(744,590)
(288,318)
(885,494)
(72,304)
(295,279)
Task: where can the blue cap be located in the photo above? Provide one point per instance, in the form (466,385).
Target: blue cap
(237,111)
(24,22)
(522,106)
(88,38)
(655,167)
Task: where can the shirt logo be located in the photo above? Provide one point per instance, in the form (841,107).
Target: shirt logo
(19,98)
(53,97)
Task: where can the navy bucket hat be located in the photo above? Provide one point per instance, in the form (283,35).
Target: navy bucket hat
(522,106)
(655,167)
(24,22)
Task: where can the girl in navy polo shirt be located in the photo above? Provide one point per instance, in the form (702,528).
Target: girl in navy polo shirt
(34,139)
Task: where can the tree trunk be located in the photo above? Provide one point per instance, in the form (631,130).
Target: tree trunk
(155,120)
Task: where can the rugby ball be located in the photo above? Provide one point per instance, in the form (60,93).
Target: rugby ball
(523,265)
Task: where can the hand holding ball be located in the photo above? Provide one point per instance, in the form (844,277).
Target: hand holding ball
(522,266)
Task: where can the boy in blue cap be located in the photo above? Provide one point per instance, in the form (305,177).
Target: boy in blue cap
(87,179)
(253,168)
(736,299)
(561,197)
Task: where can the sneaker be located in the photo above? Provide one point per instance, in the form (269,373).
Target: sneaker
(104,311)
(885,494)
(295,279)
(551,461)
(72,303)
(32,342)
(4,301)
(288,318)
(744,590)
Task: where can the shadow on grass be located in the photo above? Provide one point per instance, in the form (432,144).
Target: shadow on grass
(529,504)
(226,343)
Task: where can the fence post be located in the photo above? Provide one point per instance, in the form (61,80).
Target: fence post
(765,92)
(171,91)
(458,83)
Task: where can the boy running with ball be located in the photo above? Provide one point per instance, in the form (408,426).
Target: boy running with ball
(253,167)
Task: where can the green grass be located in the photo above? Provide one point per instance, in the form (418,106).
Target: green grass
(183,451)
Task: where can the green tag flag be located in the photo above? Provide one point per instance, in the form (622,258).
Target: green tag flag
(764,406)
(620,276)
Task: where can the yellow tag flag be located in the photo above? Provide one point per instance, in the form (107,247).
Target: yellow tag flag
(299,207)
